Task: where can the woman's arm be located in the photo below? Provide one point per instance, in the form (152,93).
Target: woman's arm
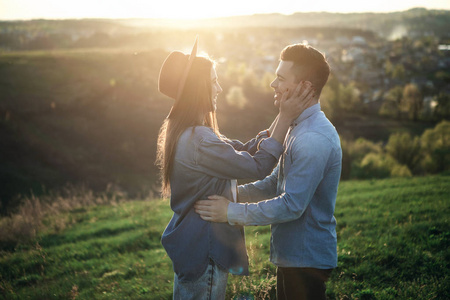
(219,159)
(301,98)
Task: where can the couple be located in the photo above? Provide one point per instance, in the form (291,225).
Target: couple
(300,153)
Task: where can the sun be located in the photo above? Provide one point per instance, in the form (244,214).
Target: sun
(194,9)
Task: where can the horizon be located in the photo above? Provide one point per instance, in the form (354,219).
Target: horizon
(189,11)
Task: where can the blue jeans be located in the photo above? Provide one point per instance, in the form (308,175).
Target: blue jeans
(211,285)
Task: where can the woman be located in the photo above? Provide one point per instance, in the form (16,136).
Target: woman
(195,162)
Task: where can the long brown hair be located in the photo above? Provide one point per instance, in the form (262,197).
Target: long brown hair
(194,108)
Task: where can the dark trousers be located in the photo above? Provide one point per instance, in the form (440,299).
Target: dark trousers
(301,283)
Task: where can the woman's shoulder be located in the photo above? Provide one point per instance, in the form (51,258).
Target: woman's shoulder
(199,133)
(203,130)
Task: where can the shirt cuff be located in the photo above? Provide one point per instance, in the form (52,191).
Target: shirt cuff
(235,213)
(272,146)
(263,134)
(243,195)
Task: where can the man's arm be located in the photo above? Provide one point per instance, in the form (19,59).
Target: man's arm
(259,190)
(306,172)
(215,208)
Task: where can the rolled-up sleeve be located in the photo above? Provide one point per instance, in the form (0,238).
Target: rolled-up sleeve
(308,163)
(251,146)
(217,158)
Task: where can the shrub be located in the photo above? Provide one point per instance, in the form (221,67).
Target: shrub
(352,154)
(405,149)
(361,147)
(380,165)
(23,225)
(400,171)
(366,294)
(373,165)
(403,155)
(436,148)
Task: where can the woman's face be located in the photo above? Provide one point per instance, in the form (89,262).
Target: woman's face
(216,88)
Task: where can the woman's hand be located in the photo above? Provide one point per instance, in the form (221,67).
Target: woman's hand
(293,104)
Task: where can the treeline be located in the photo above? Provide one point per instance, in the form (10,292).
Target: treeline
(403,155)
(113,34)
(410,101)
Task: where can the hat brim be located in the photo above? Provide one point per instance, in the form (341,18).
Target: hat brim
(187,69)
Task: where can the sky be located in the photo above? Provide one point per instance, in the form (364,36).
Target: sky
(194,9)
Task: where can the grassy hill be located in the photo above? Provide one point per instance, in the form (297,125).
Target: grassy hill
(79,118)
(393,243)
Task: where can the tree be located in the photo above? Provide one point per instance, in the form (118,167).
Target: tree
(329,103)
(266,81)
(412,101)
(442,109)
(349,97)
(337,98)
(392,103)
(398,72)
(235,97)
(236,72)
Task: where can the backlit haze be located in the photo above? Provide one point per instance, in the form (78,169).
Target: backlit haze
(194,9)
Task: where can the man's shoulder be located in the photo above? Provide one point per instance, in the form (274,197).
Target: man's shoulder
(319,123)
(318,129)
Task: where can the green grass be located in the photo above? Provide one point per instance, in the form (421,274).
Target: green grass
(393,241)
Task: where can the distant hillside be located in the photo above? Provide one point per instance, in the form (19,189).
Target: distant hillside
(417,22)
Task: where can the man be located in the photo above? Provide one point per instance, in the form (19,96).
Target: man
(300,194)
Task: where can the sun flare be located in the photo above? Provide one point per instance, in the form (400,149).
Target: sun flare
(194,9)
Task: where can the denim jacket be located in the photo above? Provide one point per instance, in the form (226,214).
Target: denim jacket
(300,196)
(204,165)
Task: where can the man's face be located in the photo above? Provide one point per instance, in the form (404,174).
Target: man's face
(285,80)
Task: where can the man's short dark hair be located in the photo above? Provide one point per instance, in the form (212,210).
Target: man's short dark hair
(309,64)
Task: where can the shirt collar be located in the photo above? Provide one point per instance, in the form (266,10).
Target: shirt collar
(306,114)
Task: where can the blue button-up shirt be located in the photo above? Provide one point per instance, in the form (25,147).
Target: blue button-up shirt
(205,165)
(302,191)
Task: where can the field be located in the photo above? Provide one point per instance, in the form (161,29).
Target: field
(393,243)
(80,113)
